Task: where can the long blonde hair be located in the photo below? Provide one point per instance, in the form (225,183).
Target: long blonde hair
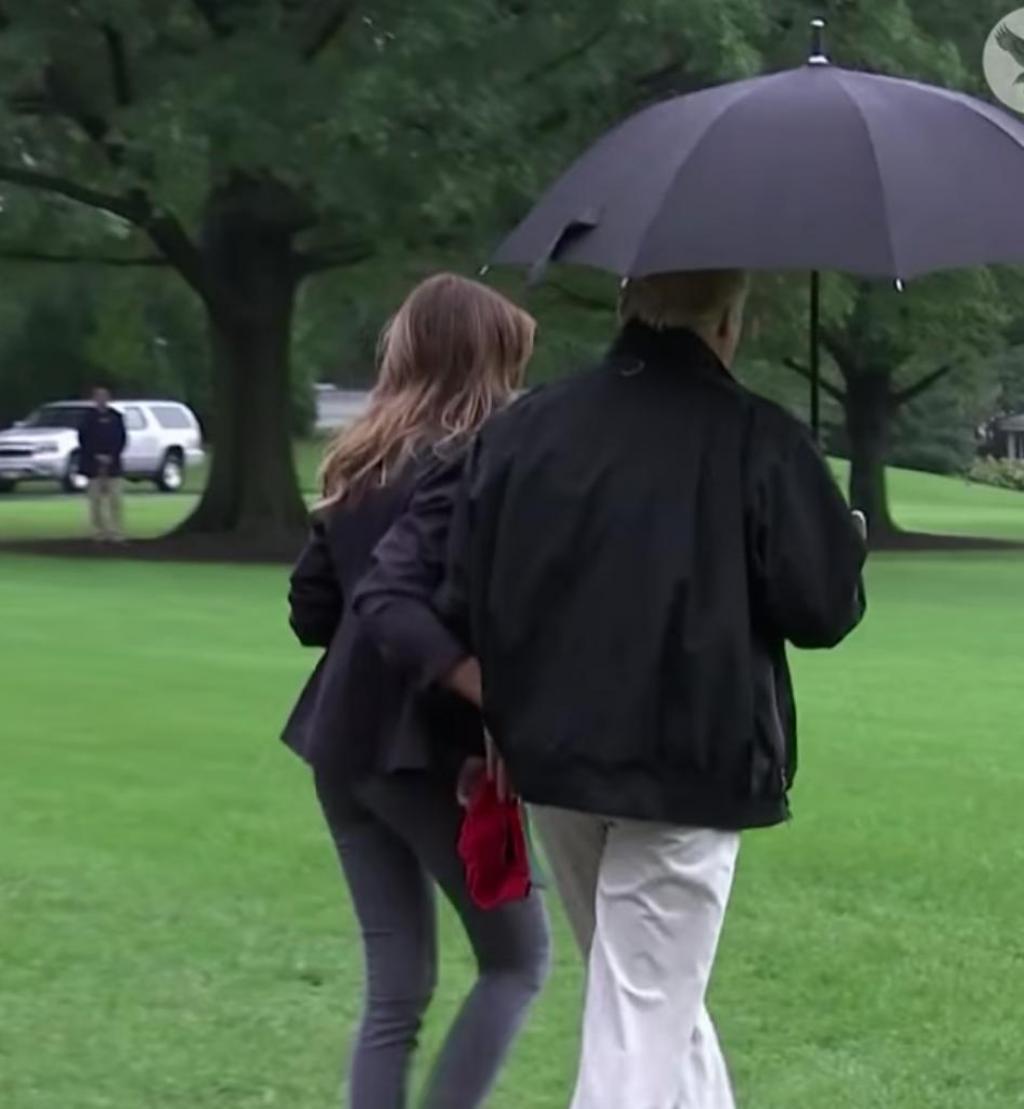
(452,354)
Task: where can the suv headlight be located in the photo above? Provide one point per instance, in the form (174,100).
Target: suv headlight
(47,448)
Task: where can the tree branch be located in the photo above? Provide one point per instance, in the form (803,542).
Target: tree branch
(674,79)
(833,391)
(326,21)
(172,240)
(333,257)
(59,96)
(546,68)
(15,254)
(127,207)
(211,14)
(838,349)
(136,208)
(905,396)
(120,73)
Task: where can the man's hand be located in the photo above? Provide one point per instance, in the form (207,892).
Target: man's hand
(466,681)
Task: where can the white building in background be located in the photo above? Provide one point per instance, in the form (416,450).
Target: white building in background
(337,407)
(1008,437)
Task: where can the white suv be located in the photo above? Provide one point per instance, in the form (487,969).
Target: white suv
(164,439)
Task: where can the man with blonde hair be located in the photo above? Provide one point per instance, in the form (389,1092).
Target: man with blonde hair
(628,553)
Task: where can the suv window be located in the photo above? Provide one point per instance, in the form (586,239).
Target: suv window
(134,419)
(171,417)
(57,415)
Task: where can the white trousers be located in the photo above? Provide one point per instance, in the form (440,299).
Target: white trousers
(646,903)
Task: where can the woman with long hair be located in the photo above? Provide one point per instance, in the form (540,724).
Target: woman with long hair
(386,750)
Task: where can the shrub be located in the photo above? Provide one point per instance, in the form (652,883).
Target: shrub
(1000,472)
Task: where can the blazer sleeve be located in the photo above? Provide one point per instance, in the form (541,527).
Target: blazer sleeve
(315,597)
(399,599)
(807,553)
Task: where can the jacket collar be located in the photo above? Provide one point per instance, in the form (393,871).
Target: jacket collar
(639,347)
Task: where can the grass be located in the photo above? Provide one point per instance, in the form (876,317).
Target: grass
(922,502)
(951,506)
(174,931)
(41,511)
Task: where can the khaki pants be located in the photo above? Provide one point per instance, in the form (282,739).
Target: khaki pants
(646,903)
(105,507)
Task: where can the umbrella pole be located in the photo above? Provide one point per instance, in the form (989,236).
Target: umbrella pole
(815,363)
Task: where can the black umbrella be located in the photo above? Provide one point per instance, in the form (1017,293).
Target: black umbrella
(813,168)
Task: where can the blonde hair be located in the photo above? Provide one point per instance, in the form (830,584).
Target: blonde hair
(697,300)
(452,354)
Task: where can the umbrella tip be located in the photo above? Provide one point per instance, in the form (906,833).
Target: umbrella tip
(818,55)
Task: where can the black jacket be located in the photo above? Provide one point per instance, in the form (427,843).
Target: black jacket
(357,715)
(101,433)
(629,553)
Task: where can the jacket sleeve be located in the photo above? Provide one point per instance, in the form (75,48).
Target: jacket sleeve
(399,601)
(807,553)
(122,436)
(315,597)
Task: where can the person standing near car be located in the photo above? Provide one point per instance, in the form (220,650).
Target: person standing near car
(101,442)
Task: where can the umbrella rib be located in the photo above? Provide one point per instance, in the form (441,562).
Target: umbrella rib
(750,90)
(894,271)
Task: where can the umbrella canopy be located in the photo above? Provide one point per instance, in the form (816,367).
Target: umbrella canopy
(813,168)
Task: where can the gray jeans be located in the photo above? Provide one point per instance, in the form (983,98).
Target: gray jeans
(396,837)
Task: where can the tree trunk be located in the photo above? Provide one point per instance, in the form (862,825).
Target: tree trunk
(868,419)
(253,489)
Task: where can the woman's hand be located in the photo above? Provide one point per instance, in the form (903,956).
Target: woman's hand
(492,766)
(472,772)
(466,681)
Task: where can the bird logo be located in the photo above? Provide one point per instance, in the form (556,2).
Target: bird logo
(1004,60)
(1013,44)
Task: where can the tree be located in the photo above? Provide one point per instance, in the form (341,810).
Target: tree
(248,145)
(888,349)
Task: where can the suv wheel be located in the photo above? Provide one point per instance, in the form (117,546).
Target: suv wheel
(171,475)
(74,481)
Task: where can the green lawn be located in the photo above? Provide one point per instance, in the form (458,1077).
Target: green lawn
(922,502)
(952,506)
(41,511)
(173,931)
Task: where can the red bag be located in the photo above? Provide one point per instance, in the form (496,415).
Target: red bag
(492,846)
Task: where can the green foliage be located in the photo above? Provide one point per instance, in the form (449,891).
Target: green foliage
(938,432)
(424,131)
(1007,369)
(413,122)
(1003,473)
(45,354)
(140,333)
